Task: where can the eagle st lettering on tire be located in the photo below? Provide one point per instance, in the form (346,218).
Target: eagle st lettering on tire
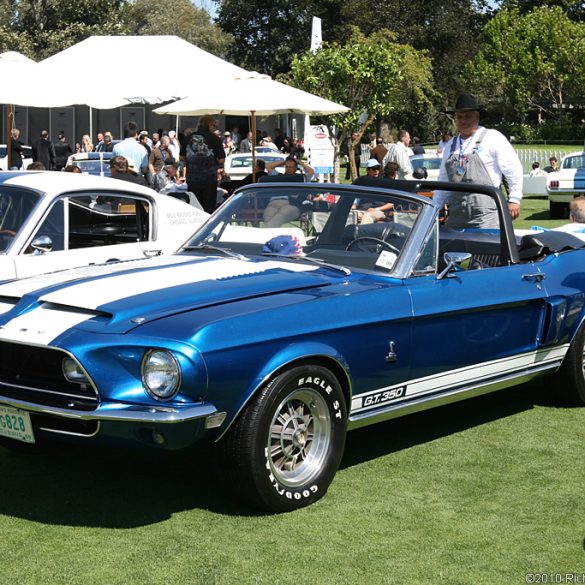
(287,444)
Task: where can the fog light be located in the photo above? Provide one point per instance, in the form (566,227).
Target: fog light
(215,420)
(73,372)
(158,438)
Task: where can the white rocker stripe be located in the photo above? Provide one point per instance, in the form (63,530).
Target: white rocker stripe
(475,373)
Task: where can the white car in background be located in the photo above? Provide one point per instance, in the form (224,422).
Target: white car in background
(51,221)
(565,184)
(429,161)
(239,165)
(26,157)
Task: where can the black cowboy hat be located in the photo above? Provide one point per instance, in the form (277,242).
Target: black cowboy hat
(467,103)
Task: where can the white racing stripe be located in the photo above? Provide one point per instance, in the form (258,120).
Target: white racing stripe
(96,293)
(43,324)
(469,375)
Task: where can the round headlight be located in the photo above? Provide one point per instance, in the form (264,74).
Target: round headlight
(161,374)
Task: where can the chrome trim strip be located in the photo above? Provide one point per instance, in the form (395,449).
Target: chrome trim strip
(120,412)
(70,433)
(54,392)
(425,402)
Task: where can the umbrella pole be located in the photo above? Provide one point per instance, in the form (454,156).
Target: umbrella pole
(253,112)
(8,136)
(90,125)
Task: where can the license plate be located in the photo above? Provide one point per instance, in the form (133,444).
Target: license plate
(15,424)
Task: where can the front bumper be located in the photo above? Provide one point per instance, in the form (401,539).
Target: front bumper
(180,427)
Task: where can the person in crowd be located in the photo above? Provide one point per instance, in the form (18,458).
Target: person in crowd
(444,140)
(72,169)
(130,149)
(145,140)
(121,169)
(420,173)
(553,166)
(62,151)
(227,143)
(246,144)
(167,179)
(86,145)
(576,217)
(417,147)
(77,148)
(159,154)
(236,137)
(201,156)
(155,139)
(43,151)
(297,148)
(391,170)
(278,139)
(291,166)
(108,145)
(482,156)
(36,165)
(379,152)
(354,152)
(100,142)
(373,168)
(536,170)
(16,148)
(401,154)
(174,145)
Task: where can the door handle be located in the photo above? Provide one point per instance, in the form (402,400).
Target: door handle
(538,277)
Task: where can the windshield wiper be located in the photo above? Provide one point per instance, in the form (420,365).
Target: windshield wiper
(210,248)
(317,261)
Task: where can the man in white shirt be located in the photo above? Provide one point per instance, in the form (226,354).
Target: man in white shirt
(481,156)
(400,153)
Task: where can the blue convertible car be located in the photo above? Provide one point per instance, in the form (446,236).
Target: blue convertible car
(296,313)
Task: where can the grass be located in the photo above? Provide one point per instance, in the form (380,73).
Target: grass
(479,492)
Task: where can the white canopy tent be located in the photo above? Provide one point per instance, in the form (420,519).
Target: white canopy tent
(111,71)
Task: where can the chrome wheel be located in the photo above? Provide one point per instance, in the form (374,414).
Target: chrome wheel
(300,438)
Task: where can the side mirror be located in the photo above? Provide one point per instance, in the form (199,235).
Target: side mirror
(42,245)
(454,261)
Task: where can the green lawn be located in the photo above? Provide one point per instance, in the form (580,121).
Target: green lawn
(480,492)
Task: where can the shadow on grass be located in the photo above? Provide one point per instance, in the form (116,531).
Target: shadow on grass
(75,486)
(405,432)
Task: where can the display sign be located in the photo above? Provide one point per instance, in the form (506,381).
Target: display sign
(320,149)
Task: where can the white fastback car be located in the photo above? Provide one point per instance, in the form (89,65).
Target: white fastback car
(565,184)
(51,221)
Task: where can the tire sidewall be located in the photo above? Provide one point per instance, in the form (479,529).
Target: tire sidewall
(277,496)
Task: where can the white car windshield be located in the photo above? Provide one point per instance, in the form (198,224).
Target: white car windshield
(16,205)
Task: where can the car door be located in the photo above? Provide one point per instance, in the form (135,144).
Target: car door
(476,326)
(88,228)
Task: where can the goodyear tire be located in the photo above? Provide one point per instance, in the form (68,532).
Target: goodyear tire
(284,450)
(570,379)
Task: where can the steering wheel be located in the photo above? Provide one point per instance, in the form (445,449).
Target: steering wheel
(360,244)
(8,232)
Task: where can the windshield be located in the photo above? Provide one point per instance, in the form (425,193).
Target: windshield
(94,167)
(574,162)
(431,164)
(362,229)
(16,206)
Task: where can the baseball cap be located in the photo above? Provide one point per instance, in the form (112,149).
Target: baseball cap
(372,163)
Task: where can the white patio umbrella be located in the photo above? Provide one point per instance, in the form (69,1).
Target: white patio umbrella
(253,95)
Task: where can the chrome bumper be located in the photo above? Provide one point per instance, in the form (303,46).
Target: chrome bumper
(124,412)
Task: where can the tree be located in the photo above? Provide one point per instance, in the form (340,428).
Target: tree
(373,75)
(266,34)
(530,62)
(40,28)
(448,31)
(574,10)
(176,17)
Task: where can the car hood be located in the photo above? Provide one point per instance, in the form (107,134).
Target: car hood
(117,298)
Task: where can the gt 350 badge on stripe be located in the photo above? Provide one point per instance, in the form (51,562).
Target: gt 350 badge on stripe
(382,396)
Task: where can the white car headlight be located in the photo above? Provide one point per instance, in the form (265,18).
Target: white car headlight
(161,374)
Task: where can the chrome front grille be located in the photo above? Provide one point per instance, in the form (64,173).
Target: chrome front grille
(34,374)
